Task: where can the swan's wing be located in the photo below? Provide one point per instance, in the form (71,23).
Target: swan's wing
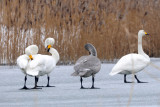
(36,65)
(41,64)
(130,62)
(32,72)
(87,63)
(38,60)
(40,70)
(22,61)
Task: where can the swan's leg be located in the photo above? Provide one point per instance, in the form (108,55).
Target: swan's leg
(48,78)
(92,82)
(138,80)
(125,81)
(25,79)
(36,80)
(81,82)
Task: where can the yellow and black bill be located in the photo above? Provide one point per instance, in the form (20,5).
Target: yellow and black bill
(48,48)
(146,33)
(30,57)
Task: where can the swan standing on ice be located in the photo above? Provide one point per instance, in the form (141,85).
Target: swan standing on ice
(132,63)
(44,64)
(23,60)
(87,65)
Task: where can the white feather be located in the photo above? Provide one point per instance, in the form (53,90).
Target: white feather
(23,60)
(43,64)
(49,41)
(132,63)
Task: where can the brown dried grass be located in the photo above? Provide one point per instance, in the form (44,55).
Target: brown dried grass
(110,25)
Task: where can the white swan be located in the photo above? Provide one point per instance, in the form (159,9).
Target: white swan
(132,63)
(23,60)
(87,65)
(44,64)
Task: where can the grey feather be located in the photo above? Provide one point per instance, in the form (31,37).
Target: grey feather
(90,65)
(74,74)
(89,47)
(87,65)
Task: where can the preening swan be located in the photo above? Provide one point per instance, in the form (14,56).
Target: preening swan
(44,64)
(132,63)
(23,60)
(87,65)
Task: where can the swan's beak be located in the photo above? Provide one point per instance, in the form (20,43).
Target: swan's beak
(30,56)
(146,33)
(48,48)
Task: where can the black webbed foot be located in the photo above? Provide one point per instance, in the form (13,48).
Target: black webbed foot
(138,81)
(36,88)
(24,88)
(94,88)
(141,82)
(128,82)
(50,86)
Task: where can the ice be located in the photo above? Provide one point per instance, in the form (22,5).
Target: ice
(67,93)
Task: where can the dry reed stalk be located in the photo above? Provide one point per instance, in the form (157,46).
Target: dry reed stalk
(110,25)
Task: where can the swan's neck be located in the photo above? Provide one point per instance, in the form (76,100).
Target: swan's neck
(55,54)
(140,49)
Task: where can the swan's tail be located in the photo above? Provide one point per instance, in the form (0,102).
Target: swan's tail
(74,74)
(80,73)
(112,73)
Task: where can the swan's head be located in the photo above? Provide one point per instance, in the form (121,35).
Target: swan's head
(31,50)
(142,33)
(49,42)
(92,50)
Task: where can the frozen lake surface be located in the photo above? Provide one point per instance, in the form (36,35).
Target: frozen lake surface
(67,93)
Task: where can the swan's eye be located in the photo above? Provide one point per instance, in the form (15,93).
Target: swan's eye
(49,46)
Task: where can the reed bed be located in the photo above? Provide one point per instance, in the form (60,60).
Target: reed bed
(110,25)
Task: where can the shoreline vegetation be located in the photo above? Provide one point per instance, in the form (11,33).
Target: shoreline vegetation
(110,25)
